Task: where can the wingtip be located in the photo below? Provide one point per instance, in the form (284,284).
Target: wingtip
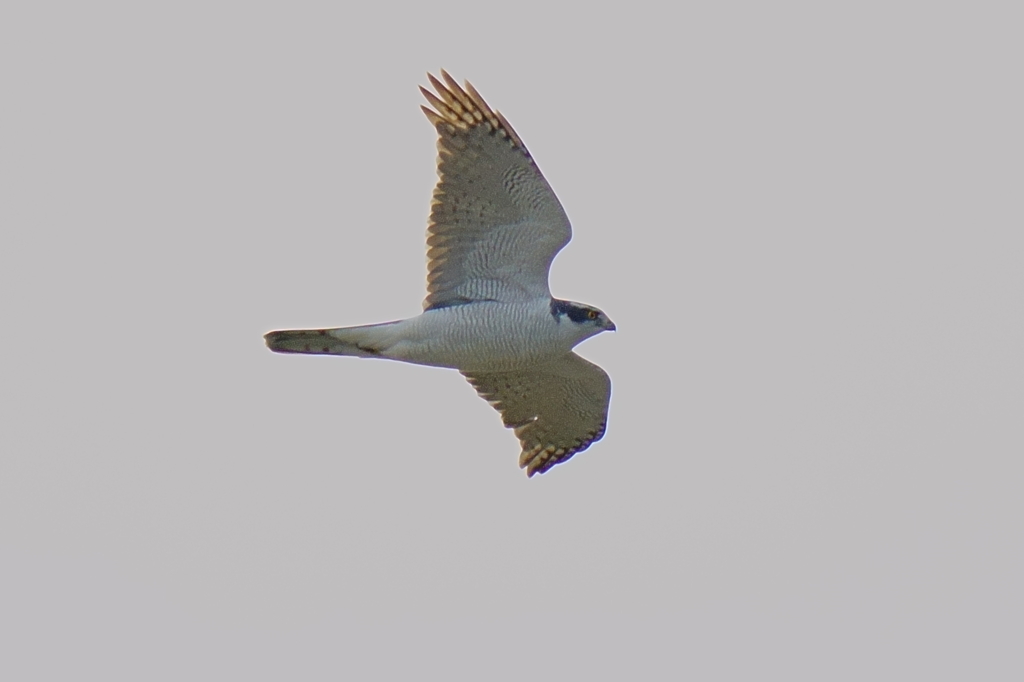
(434,82)
(462,107)
(535,462)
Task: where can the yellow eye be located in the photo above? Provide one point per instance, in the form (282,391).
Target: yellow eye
(591,314)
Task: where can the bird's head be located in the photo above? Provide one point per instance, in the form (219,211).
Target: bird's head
(587,320)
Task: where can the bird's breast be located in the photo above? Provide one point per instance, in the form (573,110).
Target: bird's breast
(487,336)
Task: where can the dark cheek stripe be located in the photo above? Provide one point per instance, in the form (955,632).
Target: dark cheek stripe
(574,312)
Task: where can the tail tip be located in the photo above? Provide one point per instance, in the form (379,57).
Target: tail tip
(297,341)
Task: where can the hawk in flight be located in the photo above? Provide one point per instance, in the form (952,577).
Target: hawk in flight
(495,226)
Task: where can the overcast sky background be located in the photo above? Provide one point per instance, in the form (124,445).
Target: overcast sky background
(806,223)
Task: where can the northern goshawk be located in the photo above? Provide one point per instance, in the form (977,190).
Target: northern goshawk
(495,226)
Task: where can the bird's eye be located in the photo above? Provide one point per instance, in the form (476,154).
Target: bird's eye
(591,314)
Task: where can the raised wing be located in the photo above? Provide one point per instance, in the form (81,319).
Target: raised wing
(495,224)
(556,409)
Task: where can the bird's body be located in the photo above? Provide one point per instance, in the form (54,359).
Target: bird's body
(488,336)
(495,228)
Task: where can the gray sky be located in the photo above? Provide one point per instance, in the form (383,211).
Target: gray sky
(806,224)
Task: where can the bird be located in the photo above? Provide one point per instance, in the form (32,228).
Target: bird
(495,226)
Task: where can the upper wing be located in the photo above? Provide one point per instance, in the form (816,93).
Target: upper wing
(495,224)
(557,409)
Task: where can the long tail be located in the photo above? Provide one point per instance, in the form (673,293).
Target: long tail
(369,341)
